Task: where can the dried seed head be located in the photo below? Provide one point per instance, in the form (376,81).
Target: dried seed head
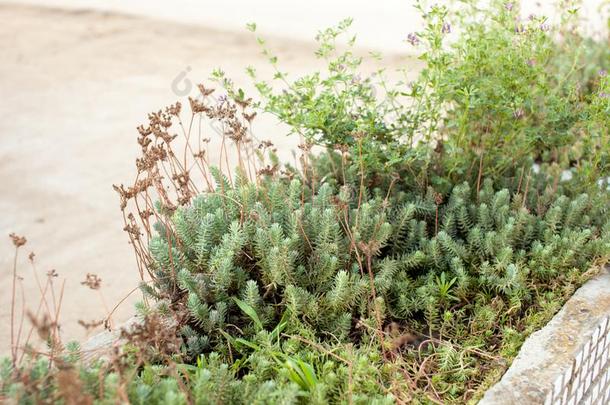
(268,170)
(197,106)
(174,109)
(244,103)
(204,92)
(249,117)
(92,281)
(91,324)
(144,131)
(18,241)
(43,326)
(265,144)
(155,336)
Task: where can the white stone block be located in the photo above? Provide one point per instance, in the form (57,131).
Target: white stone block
(564,397)
(579,359)
(595,391)
(587,381)
(558,385)
(595,370)
(579,393)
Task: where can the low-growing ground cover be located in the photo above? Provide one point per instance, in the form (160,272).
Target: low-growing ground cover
(427,229)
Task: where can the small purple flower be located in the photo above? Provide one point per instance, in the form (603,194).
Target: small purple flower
(544,27)
(531,17)
(413,39)
(603,73)
(509,6)
(446,28)
(222,99)
(519,29)
(518,113)
(531,62)
(603,95)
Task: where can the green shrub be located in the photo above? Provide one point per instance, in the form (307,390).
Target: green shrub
(501,96)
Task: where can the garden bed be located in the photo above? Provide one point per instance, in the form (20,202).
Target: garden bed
(423,233)
(565,362)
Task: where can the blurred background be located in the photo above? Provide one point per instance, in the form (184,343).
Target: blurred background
(78,76)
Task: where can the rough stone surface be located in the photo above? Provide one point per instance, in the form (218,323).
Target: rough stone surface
(100,346)
(548,367)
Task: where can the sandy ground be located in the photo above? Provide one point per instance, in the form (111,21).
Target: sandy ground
(74,85)
(381,25)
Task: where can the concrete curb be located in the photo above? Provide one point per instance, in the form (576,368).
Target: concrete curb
(567,361)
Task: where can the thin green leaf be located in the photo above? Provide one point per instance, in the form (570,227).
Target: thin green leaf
(248,310)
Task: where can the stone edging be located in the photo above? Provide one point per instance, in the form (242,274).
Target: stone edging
(567,361)
(587,380)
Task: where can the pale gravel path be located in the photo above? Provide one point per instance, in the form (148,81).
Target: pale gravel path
(382,25)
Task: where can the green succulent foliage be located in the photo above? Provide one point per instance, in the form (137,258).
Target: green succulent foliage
(253,265)
(247,256)
(271,376)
